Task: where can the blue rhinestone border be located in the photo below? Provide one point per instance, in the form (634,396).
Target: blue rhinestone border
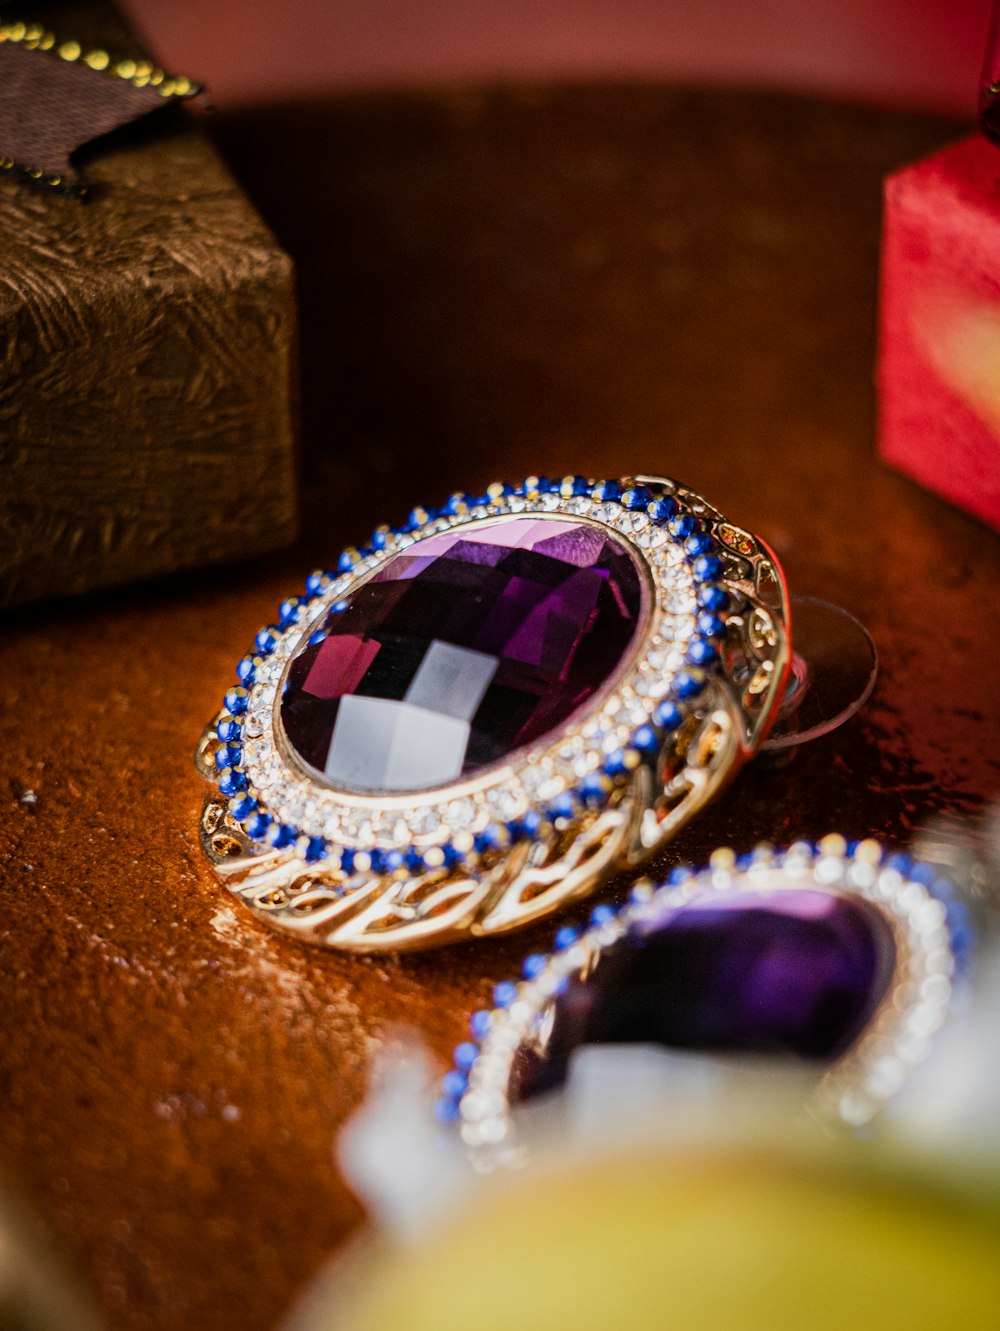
(704,556)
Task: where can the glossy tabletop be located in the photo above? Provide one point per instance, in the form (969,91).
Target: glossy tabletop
(492,283)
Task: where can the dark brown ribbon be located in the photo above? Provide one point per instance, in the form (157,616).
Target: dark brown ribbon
(55,97)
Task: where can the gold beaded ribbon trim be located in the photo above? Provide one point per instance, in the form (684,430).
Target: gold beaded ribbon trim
(56,95)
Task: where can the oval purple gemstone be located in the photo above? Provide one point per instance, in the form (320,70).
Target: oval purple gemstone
(462,649)
(790,972)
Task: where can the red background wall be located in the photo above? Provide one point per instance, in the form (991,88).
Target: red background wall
(918,52)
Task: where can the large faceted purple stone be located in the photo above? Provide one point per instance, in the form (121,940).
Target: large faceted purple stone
(462,649)
(789,972)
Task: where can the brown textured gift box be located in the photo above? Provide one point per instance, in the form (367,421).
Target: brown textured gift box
(146,361)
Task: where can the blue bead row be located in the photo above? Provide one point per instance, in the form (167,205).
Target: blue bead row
(453,1085)
(961,930)
(703,655)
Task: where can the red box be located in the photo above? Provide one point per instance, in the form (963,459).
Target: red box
(939,360)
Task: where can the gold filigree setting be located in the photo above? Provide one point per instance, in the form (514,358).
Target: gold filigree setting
(486,855)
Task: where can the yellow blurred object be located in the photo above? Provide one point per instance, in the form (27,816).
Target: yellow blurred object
(39,1290)
(735,1241)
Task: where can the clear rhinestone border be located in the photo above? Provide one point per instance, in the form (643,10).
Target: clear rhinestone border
(930,930)
(534,776)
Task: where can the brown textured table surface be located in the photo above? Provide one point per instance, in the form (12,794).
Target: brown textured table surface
(603,280)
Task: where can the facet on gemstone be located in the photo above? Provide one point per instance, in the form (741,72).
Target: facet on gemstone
(464,648)
(793,972)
